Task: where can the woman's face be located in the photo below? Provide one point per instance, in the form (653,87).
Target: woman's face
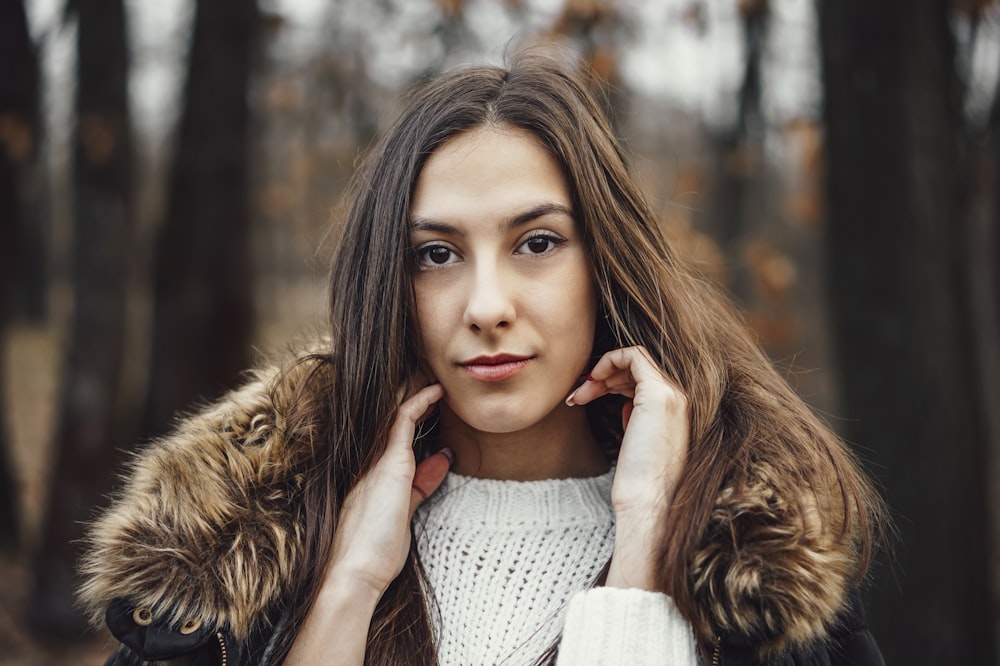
(505,300)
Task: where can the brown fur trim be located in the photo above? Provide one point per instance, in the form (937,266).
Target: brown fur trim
(206,525)
(769,567)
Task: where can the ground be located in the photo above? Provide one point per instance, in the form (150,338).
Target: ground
(31,360)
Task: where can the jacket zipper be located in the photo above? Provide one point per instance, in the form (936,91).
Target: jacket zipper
(222,649)
(717,651)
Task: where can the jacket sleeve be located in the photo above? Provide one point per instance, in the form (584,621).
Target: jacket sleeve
(123,656)
(614,626)
(146,640)
(850,643)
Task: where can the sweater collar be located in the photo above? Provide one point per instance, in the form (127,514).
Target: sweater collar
(464,501)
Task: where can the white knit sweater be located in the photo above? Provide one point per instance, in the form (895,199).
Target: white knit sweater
(510,565)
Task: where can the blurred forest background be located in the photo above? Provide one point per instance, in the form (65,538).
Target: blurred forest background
(169,171)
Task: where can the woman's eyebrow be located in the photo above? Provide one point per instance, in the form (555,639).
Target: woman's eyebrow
(524,217)
(541,210)
(433,226)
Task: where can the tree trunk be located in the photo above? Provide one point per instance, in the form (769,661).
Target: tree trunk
(203,309)
(23,251)
(994,146)
(735,153)
(88,432)
(18,148)
(901,318)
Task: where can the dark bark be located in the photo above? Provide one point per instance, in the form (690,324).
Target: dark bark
(755,21)
(901,317)
(734,151)
(18,141)
(994,146)
(88,431)
(23,251)
(203,309)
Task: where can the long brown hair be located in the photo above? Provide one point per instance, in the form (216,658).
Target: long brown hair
(741,410)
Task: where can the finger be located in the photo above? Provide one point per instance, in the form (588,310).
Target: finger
(429,476)
(411,412)
(618,371)
(635,360)
(586,392)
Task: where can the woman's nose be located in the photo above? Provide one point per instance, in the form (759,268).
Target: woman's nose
(489,305)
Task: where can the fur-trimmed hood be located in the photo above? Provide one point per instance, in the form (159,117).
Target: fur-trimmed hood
(207,526)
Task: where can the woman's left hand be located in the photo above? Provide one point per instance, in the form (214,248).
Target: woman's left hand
(653,450)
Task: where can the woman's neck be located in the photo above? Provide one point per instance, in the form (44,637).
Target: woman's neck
(558,447)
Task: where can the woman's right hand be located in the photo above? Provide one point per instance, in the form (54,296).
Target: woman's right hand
(372,539)
(371,542)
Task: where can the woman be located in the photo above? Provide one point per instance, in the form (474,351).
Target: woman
(503,304)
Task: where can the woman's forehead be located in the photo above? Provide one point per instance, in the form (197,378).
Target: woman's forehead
(489,172)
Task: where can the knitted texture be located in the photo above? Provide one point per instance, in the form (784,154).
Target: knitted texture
(503,559)
(635,627)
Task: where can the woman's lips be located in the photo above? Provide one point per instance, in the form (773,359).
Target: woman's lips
(495,368)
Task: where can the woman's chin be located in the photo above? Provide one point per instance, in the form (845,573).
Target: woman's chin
(497,424)
(502,417)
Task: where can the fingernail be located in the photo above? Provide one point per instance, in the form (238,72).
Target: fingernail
(449,454)
(570,401)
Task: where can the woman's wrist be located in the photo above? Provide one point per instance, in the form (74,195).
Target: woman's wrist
(351,590)
(634,561)
(338,620)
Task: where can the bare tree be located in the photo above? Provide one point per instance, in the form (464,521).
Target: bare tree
(203,309)
(734,148)
(87,435)
(18,147)
(902,321)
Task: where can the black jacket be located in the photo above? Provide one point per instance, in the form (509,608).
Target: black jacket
(849,644)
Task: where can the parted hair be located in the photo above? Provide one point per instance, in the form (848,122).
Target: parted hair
(758,461)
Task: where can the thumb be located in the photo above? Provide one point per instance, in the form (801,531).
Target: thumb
(429,475)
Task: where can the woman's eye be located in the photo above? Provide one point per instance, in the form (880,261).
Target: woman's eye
(539,245)
(435,255)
